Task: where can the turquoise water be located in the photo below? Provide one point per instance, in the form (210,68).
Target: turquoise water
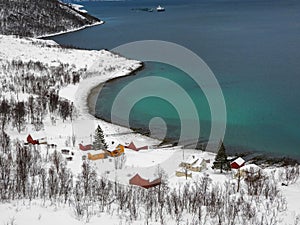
(251,46)
(254,122)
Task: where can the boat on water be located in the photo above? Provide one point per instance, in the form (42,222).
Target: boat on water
(160,9)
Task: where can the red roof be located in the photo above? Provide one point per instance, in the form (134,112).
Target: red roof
(139,181)
(85,147)
(133,147)
(31,141)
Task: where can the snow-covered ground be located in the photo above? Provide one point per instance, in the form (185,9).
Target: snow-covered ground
(79,8)
(99,67)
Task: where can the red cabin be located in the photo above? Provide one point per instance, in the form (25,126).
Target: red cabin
(31,141)
(133,147)
(86,147)
(237,163)
(139,181)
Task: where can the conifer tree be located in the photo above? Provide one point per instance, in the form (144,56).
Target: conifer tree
(99,142)
(221,162)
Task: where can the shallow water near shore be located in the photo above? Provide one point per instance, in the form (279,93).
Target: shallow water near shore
(251,46)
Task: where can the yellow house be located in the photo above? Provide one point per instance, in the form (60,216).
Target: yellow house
(117,152)
(97,156)
(181,172)
(199,166)
(189,162)
(194,163)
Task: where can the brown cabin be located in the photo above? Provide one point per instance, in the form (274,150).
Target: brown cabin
(97,156)
(139,181)
(133,147)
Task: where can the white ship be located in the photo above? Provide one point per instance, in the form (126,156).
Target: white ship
(160,9)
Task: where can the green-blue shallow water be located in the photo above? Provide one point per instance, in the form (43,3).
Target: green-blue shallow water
(255,122)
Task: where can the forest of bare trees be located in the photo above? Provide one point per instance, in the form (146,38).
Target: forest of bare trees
(43,93)
(36,18)
(27,174)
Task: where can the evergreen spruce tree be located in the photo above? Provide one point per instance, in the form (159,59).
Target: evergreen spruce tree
(221,162)
(99,142)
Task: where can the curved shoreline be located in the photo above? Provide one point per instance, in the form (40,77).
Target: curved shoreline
(71,30)
(92,98)
(93,93)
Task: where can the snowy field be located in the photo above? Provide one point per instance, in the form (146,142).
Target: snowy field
(98,67)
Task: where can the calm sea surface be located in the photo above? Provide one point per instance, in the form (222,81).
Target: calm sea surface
(253,48)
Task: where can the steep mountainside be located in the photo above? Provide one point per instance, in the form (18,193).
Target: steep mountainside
(35,18)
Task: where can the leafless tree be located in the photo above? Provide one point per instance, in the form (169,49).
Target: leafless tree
(290,174)
(19,114)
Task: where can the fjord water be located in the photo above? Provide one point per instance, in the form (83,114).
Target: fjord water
(253,48)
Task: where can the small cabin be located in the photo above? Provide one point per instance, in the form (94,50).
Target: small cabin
(194,163)
(189,162)
(117,152)
(199,166)
(237,163)
(86,147)
(65,151)
(97,156)
(139,181)
(133,147)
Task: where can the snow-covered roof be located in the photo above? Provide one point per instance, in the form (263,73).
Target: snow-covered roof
(239,161)
(199,162)
(37,135)
(192,159)
(182,170)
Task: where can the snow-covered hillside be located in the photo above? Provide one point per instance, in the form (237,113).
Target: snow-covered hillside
(50,53)
(35,18)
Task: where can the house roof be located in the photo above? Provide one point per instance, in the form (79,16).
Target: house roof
(191,159)
(132,146)
(181,169)
(199,162)
(239,161)
(138,180)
